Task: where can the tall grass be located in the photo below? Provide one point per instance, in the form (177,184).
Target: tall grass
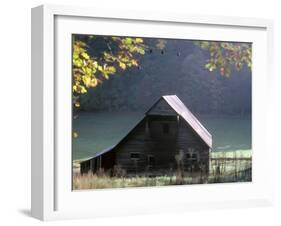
(222,170)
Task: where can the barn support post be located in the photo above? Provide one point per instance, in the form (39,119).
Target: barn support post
(98,163)
(94,165)
(91,165)
(146,126)
(178,126)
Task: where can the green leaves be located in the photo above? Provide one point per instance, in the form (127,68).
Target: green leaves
(224,56)
(125,58)
(204,44)
(210,66)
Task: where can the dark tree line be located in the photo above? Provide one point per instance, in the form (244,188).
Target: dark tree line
(177,68)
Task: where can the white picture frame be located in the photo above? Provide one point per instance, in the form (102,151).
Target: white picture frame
(52,198)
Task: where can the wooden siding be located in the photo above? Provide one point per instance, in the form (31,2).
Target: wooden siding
(153,143)
(190,143)
(161,107)
(133,143)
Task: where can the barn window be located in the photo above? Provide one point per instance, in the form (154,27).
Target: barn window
(166,128)
(135,156)
(192,160)
(192,157)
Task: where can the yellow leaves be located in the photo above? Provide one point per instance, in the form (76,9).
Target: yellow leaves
(75,88)
(109,57)
(85,55)
(90,81)
(94,82)
(95,64)
(126,60)
(89,71)
(109,69)
(75,56)
(100,68)
(131,45)
(141,51)
(105,75)
(77,104)
(127,41)
(122,65)
(134,62)
(86,80)
(139,40)
(75,135)
(83,89)
(79,89)
(106,70)
(78,62)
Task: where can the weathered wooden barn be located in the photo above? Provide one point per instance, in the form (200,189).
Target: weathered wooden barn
(167,135)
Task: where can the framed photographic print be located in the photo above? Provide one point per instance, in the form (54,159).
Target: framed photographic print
(137,112)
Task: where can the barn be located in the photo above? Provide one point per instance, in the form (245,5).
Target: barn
(167,133)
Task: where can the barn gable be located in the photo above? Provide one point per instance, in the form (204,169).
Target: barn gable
(162,108)
(172,105)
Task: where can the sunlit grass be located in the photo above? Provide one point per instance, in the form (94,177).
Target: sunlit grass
(232,154)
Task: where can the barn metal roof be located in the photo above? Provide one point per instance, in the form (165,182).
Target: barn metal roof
(183,111)
(99,153)
(112,147)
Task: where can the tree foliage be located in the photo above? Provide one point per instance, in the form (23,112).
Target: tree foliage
(92,65)
(224,56)
(96,58)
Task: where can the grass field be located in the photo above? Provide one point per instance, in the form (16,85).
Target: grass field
(224,167)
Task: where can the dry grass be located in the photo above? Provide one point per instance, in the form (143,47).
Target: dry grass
(92,181)
(224,167)
(221,171)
